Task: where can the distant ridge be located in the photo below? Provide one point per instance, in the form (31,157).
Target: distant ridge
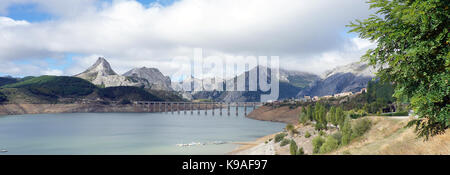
(348,78)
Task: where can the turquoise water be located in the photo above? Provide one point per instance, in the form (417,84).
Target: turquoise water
(129,133)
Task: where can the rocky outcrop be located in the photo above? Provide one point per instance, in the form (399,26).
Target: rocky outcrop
(102,74)
(154,77)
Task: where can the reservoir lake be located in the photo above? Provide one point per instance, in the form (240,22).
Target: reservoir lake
(130,133)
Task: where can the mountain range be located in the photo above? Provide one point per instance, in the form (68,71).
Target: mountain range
(292,84)
(101,73)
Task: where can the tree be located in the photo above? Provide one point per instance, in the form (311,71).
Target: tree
(320,116)
(332,118)
(346,132)
(309,112)
(303,117)
(340,116)
(413,52)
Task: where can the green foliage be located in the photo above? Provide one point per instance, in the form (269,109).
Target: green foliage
(307,134)
(413,52)
(338,137)
(317,143)
(356,114)
(309,112)
(360,127)
(401,113)
(284,142)
(321,133)
(346,131)
(320,116)
(300,151)
(279,137)
(330,144)
(7,80)
(332,117)
(55,86)
(379,91)
(303,116)
(293,148)
(340,116)
(2,97)
(290,128)
(127,92)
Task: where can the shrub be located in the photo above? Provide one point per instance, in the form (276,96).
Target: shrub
(290,128)
(330,144)
(401,113)
(321,133)
(317,143)
(337,136)
(300,151)
(279,137)
(360,127)
(284,142)
(307,134)
(293,148)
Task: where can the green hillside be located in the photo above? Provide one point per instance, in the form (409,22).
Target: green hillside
(65,89)
(7,80)
(127,93)
(55,86)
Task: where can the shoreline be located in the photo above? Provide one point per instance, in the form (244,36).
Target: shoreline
(247,146)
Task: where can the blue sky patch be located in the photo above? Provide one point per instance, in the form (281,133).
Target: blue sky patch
(28,12)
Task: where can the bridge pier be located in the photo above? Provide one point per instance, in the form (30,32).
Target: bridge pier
(212,108)
(245,109)
(237,105)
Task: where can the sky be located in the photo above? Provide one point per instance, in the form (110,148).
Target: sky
(54,37)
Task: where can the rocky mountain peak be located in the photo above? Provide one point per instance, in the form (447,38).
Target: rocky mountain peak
(100,68)
(155,78)
(101,73)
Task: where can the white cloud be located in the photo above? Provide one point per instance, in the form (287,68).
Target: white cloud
(52,72)
(307,35)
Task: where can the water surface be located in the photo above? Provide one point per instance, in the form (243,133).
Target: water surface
(129,133)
